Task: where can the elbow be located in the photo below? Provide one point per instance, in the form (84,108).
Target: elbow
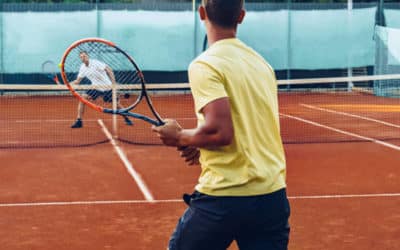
(226,141)
(209,136)
(226,138)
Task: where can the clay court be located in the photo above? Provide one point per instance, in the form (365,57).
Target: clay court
(70,189)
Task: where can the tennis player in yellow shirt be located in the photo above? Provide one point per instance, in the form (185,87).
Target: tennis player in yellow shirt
(241,192)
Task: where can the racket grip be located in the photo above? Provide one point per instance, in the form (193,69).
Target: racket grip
(182,148)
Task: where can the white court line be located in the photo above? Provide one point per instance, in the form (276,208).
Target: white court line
(385,144)
(69,120)
(135,175)
(48,120)
(120,202)
(350,115)
(344,196)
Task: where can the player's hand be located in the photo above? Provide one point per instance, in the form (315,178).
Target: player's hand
(169,132)
(190,154)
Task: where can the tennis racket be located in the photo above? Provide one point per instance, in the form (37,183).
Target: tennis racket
(49,68)
(111,82)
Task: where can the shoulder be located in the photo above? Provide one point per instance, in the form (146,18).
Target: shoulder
(97,63)
(206,61)
(94,61)
(82,67)
(202,69)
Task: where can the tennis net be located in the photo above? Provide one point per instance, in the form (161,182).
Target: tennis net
(318,110)
(387,60)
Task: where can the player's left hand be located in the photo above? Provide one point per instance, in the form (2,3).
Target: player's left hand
(169,132)
(190,154)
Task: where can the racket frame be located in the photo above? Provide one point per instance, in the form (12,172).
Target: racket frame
(123,111)
(51,74)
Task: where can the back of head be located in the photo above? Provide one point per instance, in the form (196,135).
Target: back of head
(223,13)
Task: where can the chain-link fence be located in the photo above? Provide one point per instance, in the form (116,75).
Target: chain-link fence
(296,38)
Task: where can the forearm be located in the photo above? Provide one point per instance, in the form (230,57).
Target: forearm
(110,74)
(204,137)
(216,131)
(76,81)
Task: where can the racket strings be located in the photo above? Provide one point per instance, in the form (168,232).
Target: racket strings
(127,83)
(49,67)
(124,78)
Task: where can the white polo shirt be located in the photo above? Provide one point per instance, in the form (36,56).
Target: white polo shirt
(95,72)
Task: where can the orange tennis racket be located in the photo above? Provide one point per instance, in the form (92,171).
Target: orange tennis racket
(107,79)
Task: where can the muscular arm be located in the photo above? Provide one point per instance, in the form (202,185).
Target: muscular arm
(76,81)
(110,74)
(217,129)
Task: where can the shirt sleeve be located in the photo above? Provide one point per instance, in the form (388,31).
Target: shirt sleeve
(206,84)
(100,65)
(82,72)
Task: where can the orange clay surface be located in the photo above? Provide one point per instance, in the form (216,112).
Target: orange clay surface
(343,195)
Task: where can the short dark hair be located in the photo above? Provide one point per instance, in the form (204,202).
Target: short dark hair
(83,52)
(223,13)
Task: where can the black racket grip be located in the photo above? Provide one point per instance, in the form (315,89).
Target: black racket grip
(160,123)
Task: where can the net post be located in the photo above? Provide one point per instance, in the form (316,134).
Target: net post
(289,43)
(195,28)
(350,84)
(98,20)
(114,107)
(1,44)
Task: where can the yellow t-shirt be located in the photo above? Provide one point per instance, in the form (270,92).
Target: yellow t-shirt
(254,163)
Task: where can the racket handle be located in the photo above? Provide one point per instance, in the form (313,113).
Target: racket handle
(134,115)
(160,123)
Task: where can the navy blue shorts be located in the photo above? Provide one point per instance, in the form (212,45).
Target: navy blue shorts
(213,223)
(94,94)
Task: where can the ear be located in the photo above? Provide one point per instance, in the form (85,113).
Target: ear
(241,16)
(202,12)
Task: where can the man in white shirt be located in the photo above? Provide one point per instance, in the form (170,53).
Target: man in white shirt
(101,76)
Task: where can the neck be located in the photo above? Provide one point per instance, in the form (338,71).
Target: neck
(215,34)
